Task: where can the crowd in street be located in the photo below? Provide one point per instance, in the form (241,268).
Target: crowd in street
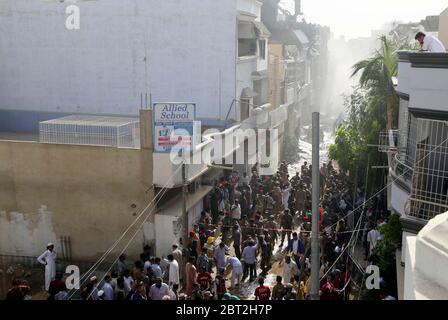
(251,226)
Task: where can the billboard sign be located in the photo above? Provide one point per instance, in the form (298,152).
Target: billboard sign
(174,125)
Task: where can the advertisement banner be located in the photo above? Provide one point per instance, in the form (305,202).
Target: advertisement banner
(174,125)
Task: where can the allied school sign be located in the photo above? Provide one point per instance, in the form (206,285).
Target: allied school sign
(173,126)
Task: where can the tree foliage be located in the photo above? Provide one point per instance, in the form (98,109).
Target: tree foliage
(370,109)
(362,127)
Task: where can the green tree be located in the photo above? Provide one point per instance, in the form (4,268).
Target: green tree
(363,124)
(377,73)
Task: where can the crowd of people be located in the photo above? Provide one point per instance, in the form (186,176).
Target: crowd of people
(251,226)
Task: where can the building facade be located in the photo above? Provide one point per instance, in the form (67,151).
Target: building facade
(418,149)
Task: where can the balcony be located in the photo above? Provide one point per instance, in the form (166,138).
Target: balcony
(422,167)
(388,141)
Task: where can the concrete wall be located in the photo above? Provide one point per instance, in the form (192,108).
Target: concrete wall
(443,27)
(86,193)
(428,89)
(276,69)
(426,86)
(101,69)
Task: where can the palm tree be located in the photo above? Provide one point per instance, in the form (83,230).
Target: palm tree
(377,73)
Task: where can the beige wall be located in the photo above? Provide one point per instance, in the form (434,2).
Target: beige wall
(276,70)
(84,192)
(443,27)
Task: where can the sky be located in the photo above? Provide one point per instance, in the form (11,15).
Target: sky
(356,18)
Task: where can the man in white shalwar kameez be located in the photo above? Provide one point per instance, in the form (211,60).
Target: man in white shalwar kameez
(173,278)
(48,258)
(290,270)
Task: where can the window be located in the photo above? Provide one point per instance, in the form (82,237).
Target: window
(244,106)
(261,88)
(247,47)
(429,195)
(262,49)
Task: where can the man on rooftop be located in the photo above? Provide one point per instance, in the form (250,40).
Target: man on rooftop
(430,43)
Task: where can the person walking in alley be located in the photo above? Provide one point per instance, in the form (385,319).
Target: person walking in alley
(286,223)
(48,258)
(250,260)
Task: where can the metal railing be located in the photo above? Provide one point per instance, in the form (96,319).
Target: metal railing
(401,170)
(428,153)
(388,141)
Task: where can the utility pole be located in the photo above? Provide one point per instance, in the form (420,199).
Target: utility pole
(184,205)
(315,251)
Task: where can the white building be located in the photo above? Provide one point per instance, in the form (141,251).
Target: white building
(127,54)
(174,50)
(419,157)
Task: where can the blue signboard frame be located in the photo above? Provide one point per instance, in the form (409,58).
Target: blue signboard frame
(163,129)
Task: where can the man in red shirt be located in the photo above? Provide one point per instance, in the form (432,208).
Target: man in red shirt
(327,290)
(262,293)
(204,279)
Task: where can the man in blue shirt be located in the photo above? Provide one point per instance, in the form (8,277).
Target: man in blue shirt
(296,247)
(250,260)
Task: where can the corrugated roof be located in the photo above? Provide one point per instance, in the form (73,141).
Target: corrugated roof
(262,30)
(301,36)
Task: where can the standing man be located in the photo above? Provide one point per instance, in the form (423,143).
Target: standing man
(236,237)
(177,254)
(250,260)
(173,278)
(122,264)
(204,279)
(156,269)
(290,270)
(108,289)
(158,290)
(297,248)
(300,198)
(262,293)
(48,258)
(430,43)
(220,255)
(191,275)
(286,222)
(372,238)
(286,191)
(220,284)
(236,211)
(203,262)
(272,230)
